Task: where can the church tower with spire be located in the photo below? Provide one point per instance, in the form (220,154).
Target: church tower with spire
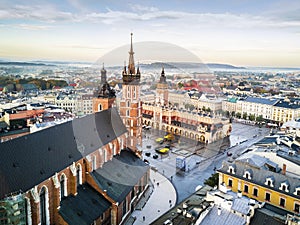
(130,103)
(162,93)
(105,96)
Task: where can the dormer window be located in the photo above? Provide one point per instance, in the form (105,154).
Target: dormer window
(247,175)
(269,182)
(231,169)
(297,191)
(284,187)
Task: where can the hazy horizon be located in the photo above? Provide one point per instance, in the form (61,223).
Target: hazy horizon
(253,33)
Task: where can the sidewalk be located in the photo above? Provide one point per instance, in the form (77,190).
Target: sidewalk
(158,202)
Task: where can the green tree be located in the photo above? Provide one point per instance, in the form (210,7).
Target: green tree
(259,118)
(233,113)
(238,115)
(227,113)
(252,117)
(203,108)
(213,180)
(244,115)
(180,85)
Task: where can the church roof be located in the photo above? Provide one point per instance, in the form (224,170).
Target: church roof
(120,175)
(73,209)
(29,160)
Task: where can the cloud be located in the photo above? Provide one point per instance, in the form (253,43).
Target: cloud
(82,47)
(49,13)
(44,13)
(33,27)
(141,8)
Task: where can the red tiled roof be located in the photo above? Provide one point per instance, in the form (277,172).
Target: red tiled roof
(25,114)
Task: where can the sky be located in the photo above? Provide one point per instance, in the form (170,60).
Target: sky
(238,32)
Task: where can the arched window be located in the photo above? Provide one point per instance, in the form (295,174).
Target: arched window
(128,104)
(44,204)
(124,208)
(94,162)
(63,186)
(231,169)
(79,175)
(99,107)
(247,175)
(284,187)
(104,155)
(270,182)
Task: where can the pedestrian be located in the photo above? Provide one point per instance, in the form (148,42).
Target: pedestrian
(157,184)
(144,218)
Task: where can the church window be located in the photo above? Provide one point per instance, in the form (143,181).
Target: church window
(63,186)
(44,214)
(94,162)
(99,107)
(79,175)
(124,209)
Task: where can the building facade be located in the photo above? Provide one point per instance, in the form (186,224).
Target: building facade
(130,104)
(168,115)
(263,180)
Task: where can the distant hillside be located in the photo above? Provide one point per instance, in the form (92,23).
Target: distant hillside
(23,64)
(154,65)
(223,66)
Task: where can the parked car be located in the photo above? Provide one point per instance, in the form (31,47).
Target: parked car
(162,150)
(159,140)
(155,156)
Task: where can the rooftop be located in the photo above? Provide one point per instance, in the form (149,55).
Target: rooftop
(85,207)
(265,101)
(46,152)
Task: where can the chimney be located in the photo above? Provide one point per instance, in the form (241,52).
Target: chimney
(284,169)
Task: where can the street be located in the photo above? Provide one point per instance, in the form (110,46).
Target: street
(201,160)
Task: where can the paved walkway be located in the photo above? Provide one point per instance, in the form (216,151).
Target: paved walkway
(159,202)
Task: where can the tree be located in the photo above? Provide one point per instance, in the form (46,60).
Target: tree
(244,115)
(233,113)
(213,180)
(259,118)
(203,108)
(208,109)
(180,85)
(252,117)
(227,113)
(238,115)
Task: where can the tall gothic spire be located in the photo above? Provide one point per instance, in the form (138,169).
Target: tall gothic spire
(103,75)
(131,68)
(162,76)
